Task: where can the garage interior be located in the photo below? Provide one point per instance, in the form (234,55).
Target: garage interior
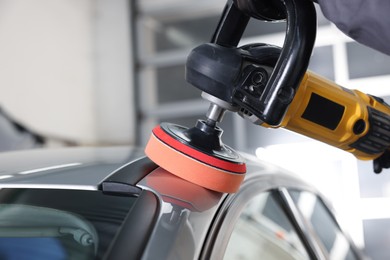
(103,73)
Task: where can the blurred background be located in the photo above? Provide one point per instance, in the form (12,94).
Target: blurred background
(99,72)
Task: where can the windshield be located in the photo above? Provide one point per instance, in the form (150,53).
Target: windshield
(59,224)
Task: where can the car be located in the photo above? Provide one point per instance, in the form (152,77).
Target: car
(115,203)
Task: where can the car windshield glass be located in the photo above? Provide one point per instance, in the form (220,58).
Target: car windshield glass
(59,224)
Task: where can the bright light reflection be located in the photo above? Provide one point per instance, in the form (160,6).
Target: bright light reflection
(50,168)
(2,177)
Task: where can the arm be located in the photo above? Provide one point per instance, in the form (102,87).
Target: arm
(366,21)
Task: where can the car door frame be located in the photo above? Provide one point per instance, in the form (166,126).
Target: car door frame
(279,183)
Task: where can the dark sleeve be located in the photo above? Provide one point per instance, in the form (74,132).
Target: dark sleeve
(366,21)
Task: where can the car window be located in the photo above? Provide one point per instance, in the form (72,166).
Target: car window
(324,225)
(263,231)
(59,224)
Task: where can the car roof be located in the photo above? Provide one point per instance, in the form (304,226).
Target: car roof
(76,167)
(87,167)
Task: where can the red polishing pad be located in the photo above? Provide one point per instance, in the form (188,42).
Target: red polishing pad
(172,148)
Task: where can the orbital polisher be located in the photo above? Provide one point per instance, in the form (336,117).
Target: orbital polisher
(271,87)
(197,154)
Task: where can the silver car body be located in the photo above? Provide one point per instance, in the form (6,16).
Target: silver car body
(184,221)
